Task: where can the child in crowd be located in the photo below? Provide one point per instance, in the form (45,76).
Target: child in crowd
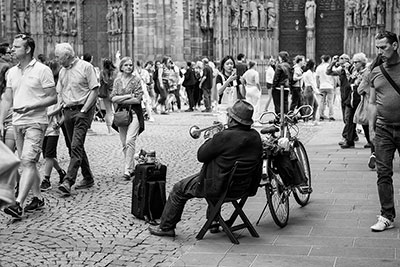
(49,147)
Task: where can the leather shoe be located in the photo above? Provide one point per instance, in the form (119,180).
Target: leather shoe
(214,228)
(85,184)
(156,230)
(347,145)
(65,187)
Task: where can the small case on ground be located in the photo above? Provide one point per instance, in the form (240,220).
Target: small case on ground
(148,191)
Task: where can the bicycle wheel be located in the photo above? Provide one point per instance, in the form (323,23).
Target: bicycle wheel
(302,193)
(278,197)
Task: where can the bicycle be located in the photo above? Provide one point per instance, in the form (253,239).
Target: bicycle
(278,149)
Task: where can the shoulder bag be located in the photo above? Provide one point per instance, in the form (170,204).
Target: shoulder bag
(390,80)
(123,117)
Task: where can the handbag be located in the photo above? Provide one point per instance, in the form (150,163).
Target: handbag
(123,117)
(361,113)
(390,80)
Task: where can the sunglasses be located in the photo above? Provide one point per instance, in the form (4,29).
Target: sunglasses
(22,36)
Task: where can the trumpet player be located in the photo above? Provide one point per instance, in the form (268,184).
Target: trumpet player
(238,142)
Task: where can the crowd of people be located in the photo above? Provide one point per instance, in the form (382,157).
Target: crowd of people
(39,98)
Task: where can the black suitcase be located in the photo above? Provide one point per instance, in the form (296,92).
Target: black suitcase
(148,191)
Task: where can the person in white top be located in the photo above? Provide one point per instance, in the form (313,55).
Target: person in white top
(310,86)
(252,86)
(325,85)
(269,78)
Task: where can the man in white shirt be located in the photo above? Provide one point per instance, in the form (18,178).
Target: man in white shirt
(30,89)
(325,85)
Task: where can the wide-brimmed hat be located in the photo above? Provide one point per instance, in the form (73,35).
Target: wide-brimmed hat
(242,112)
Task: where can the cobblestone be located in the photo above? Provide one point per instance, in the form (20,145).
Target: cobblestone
(94,227)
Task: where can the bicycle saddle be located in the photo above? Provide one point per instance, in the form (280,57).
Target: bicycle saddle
(269,130)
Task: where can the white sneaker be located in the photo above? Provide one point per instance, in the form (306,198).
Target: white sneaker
(371,161)
(382,224)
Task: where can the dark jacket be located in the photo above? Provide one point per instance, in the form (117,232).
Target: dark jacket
(281,76)
(345,88)
(190,78)
(220,153)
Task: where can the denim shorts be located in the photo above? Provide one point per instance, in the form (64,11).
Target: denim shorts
(29,138)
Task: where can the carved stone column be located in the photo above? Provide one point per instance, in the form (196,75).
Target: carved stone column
(310,43)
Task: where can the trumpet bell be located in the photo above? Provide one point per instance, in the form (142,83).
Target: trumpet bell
(195,132)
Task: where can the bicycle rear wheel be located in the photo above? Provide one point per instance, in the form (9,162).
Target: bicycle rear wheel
(302,193)
(278,197)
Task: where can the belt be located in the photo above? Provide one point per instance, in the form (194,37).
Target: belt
(76,107)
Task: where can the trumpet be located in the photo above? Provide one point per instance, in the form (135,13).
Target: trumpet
(195,130)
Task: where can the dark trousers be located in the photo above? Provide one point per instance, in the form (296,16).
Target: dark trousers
(181,192)
(367,136)
(349,127)
(296,98)
(77,125)
(207,97)
(177,97)
(163,94)
(276,97)
(387,141)
(190,94)
(309,99)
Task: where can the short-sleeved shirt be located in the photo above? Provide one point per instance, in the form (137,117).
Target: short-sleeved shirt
(134,87)
(76,82)
(252,77)
(208,73)
(387,98)
(28,86)
(325,81)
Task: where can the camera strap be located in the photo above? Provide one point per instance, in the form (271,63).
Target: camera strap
(390,80)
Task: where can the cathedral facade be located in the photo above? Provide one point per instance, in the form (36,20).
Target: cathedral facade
(192,29)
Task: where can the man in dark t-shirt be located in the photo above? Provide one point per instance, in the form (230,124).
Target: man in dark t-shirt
(206,84)
(241,68)
(385,123)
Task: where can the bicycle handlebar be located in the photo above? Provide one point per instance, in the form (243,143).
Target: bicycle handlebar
(290,117)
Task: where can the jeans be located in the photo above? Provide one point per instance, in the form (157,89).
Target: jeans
(276,97)
(296,98)
(128,137)
(207,98)
(77,125)
(387,140)
(326,96)
(180,194)
(309,99)
(190,94)
(350,127)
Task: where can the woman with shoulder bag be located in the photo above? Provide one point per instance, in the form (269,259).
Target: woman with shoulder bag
(107,76)
(127,94)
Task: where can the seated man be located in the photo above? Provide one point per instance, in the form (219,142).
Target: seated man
(236,143)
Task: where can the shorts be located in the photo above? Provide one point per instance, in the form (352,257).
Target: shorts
(29,138)
(49,146)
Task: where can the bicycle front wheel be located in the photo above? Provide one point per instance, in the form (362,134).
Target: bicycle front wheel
(278,197)
(302,193)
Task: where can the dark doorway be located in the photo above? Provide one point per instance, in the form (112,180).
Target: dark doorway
(95,40)
(292,34)
(329,31)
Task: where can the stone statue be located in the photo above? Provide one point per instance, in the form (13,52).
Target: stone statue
(49,20)
(271,15)
(21,21)
(211,15)
(114,19)
(310,12)
(372,12)
(64,16)
(203,14)
(357,14)
(109,17)
(72,21)
(235,9)
(58,21)
(120,19)
(351,5)
(253,10)
(380,17)
(263,16)
(245,14)
(365,13)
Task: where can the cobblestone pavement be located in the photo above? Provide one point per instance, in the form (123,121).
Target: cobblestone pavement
(94,227)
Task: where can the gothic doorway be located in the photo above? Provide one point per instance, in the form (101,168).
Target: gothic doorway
(329,31)
(292,31)
(95,38)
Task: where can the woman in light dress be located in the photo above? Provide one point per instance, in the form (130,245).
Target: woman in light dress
(251,79)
